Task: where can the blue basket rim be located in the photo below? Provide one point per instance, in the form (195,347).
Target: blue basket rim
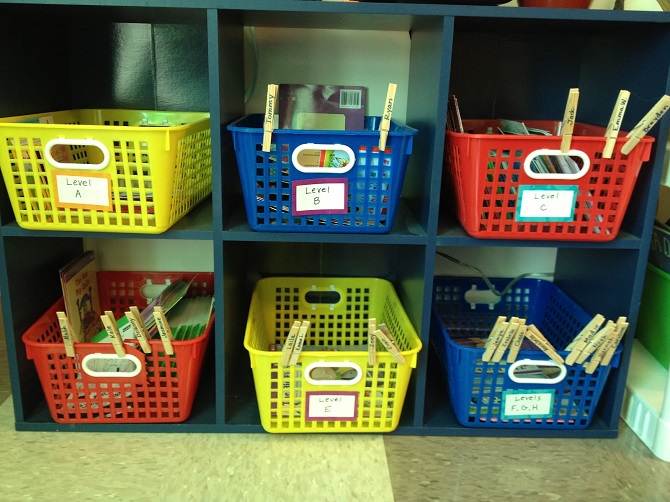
(397,129)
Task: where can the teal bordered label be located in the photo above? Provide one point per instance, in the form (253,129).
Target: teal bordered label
(527,404)
(546,202)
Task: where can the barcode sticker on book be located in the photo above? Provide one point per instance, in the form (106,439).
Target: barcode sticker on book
(350,98)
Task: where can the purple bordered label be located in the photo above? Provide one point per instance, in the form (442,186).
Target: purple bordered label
(320,196)
(331,406)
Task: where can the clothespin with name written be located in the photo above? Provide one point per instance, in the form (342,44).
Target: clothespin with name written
(595,342)
(569,119)
(601,350)
(619,331)
(383,334)
(289,344)
(506,339)
(614,125)
(299,342)
(539,340)
(385,125)
(517,341)
(109,322)
(497,334)
(583,338)
(139,329)
(67,333)
(164,330)
(645,125)
(269,118)
(372,341)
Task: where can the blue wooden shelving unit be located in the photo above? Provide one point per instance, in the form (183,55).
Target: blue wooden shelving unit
(62,54)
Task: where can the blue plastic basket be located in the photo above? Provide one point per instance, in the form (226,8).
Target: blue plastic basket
(479,390)
(363,196)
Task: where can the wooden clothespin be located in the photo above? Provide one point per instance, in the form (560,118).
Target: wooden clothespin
(385,125)
(539,340)
(289,344)
(494,329)
(164,330)
(595,342)
(139,329)
(495,337)
(644,126)
(517,341)
(269,119)
(620,331)
(372,341)
(67,333)
(614,125)
(299,342)
(109,321)
(601,351)
(383,334)
(569,118)
(506,340)
(583,338)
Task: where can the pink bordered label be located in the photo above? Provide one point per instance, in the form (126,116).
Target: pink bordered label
(331,406)
(320,196)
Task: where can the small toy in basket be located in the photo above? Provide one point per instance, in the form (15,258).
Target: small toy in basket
(129,380)
(321,181)
(509,186)
(105,170)
(329,354)
(552,380)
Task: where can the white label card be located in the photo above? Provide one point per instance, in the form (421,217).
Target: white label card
(326,406)
(546,202)
(528,403)
(90,191)
(323,196)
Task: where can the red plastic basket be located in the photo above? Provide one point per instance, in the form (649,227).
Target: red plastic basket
(494,183)
(165,386)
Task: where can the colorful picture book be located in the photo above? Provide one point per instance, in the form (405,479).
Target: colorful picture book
(80,294)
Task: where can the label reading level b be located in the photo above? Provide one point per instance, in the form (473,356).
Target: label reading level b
(320,196)
(87,191)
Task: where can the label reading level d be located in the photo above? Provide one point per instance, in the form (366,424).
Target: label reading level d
(325,196)
(546,203)
(528,404)
(83,191)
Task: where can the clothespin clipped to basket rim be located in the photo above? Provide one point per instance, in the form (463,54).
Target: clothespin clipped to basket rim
(614,125)
(67,333)
(289,344)
(569,117)
(164,330)
(109,321)
(299,342)
(540,341)
(383,334)
(579,343)
(619,331)
(385,125)
(372,341)
(139,329)
(644,126)
(269,118)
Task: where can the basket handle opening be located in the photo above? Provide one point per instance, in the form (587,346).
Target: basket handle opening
(546,372)
(63,161)
(329,297)
(333,373)
(101,365)
(546,164)
(323,158)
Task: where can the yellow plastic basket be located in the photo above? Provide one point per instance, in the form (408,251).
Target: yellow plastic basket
(295,398)
(105,170)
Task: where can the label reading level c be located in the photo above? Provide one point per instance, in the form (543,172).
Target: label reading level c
(546,203)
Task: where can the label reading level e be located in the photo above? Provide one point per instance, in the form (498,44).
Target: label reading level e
(90,191)
(527,404)
(325,406)
(546,203)
(322,196)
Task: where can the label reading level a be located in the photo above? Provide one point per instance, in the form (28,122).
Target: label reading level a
(546,203)
(83,190)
